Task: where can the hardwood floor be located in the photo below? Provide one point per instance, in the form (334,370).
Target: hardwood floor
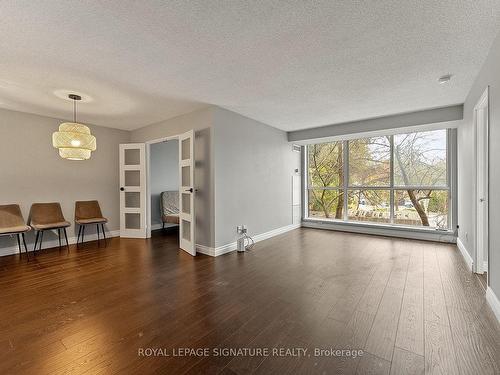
(483,280)
(411,306)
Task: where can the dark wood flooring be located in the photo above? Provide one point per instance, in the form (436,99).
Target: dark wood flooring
(411,306)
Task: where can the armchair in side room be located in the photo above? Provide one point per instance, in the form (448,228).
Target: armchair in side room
(169,206)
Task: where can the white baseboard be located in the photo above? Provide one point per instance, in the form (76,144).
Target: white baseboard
(275,232)
(381,230)
(205,250)
(465,254)
(485,266)
(55,243)
(493,302)
(220,250)
(227,248)
(116,233)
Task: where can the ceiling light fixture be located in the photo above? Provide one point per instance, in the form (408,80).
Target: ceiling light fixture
(444,79)
(74,140)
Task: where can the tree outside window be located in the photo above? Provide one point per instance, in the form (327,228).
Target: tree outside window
(400,179)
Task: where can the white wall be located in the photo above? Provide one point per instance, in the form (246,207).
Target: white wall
(243,173)
(31,170)
(164,168)
(38,174)
(254,164)
(488,76)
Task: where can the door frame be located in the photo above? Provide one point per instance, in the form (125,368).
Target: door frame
(481,228)
(148,179)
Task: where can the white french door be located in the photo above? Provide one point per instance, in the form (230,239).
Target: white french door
(133,190)
(186,193)
(481,121)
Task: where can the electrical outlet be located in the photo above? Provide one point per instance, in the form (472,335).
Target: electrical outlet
(240,229)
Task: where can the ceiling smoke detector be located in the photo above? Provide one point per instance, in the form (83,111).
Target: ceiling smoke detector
(444,79)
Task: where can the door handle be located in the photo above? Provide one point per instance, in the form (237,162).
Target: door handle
(122,189)
(481,200)
(190,190)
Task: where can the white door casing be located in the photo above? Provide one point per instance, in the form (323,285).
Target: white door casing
(133,190)
(481,125)
(186,193)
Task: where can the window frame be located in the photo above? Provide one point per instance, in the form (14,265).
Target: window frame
(392,188)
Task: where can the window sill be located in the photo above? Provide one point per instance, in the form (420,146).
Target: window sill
(428,234)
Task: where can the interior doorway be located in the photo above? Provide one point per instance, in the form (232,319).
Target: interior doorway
(163,187)
(185,207)
(135,190)
(481,127)
(162,171)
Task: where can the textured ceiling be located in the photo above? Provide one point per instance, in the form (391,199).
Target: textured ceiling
(290,64)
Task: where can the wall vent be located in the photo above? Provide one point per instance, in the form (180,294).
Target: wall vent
(296,148)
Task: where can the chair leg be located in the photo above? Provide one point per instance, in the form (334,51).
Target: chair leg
(36,242)
(59,237)
(163,225)
(66,237)
(78,238)
(25,247)
(41,239)
(83,234)
(98,238)
(19,244)
(104,235)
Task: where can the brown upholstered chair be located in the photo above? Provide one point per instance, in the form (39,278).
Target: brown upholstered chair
(12,223)
(87,213)
(169,206)
(48,216)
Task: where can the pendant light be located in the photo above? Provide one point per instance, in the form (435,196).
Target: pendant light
(74,140)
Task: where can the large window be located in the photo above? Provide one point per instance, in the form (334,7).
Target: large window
(399,179)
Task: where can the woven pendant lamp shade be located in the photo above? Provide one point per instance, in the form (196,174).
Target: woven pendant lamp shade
(74,141)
